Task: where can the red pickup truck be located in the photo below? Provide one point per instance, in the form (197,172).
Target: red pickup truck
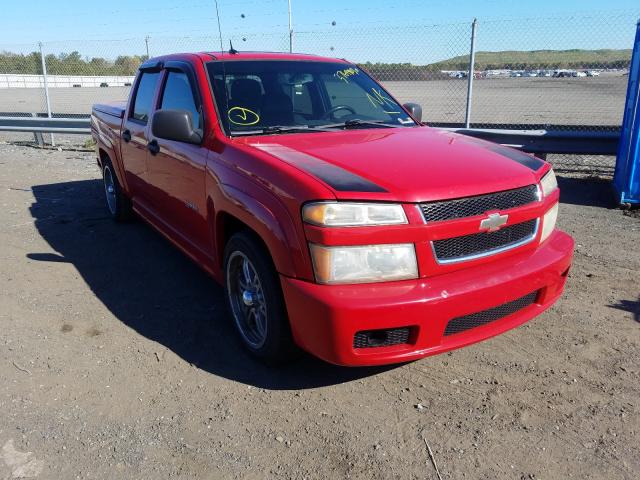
(335,220)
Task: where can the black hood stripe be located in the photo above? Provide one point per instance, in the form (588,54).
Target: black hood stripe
(336,177)
(518,156)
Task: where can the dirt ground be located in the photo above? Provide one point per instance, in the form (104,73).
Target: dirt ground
(118,360)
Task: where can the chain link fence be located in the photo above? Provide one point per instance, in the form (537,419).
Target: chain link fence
(568,72)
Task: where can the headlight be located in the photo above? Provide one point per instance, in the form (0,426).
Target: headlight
(364,264)
(338,214)
(549,183)
(549,222)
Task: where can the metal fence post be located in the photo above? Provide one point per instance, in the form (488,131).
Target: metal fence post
(472,61)
(146,42)
(37,136)
(46,87)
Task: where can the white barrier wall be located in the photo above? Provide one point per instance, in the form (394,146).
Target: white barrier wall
(61,81)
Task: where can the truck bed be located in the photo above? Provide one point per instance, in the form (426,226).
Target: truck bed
(106,126)
(115,109)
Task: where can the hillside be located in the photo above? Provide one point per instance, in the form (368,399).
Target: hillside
(605,58)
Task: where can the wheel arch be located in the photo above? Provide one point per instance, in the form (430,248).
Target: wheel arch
(107,154)
(270,224)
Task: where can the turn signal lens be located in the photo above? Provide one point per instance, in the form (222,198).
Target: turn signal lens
(364,264)
(339,214)
(549,222)
(549,183)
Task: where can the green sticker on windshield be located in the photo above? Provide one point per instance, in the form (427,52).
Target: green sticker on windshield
(243,116)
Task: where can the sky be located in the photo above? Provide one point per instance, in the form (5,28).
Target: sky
(419,31)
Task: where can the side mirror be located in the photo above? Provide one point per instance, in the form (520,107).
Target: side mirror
(415,110)
(174,125)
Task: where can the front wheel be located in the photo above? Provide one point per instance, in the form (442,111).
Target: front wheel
(254,295)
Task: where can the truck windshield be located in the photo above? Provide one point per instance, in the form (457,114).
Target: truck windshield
(281,96)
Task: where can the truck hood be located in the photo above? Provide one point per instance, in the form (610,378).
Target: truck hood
(403,164)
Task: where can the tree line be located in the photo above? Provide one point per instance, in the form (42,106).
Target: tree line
(69,64)
(74,64)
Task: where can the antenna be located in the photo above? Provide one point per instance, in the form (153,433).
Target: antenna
(290,30)
(224,78)
(219,28)
(232,50)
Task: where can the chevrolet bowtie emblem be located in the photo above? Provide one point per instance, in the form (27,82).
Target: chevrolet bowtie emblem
(493,222)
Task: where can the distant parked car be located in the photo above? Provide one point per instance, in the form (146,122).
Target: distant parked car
(127,84)
(579,74)
(76,85)
(104,84)
(593,73)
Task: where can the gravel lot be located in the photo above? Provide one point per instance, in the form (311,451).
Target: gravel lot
(117,360)
(584,101)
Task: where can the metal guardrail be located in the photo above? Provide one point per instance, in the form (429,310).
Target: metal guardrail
(577,142)
(46,125)
(539,141)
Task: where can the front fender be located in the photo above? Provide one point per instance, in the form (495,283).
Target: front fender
(268,217)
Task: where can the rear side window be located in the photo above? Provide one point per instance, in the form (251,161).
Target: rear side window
(178,95)
(144,96)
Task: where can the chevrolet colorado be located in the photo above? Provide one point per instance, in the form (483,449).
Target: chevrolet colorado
(334,219)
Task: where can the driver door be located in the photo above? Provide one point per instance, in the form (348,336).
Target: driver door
(176,170)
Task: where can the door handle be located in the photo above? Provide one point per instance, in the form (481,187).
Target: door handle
(153,147)
(126,136)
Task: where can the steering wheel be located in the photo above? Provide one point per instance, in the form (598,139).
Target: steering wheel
(337,108)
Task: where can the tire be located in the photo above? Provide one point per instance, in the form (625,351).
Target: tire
(118,205)
(254,297)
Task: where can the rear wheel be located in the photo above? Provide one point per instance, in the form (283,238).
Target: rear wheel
(118,204)
(255,299)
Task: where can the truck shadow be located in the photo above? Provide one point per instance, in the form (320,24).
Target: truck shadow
(153,288)
(590,192)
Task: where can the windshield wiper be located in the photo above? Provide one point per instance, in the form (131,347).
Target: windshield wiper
(357,123)
(277,129)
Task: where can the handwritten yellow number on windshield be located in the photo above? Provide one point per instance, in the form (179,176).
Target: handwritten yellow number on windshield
(379,99)
(243,116)
(346,73)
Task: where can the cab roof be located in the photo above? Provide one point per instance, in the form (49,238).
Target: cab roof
(269,56)
(212,56)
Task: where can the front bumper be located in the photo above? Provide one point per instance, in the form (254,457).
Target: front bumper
(325,318)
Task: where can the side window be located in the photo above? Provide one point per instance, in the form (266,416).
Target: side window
(178,95)
(144,96)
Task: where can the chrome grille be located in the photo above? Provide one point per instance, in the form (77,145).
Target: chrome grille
(482,244)
(461,324)
(471,206)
